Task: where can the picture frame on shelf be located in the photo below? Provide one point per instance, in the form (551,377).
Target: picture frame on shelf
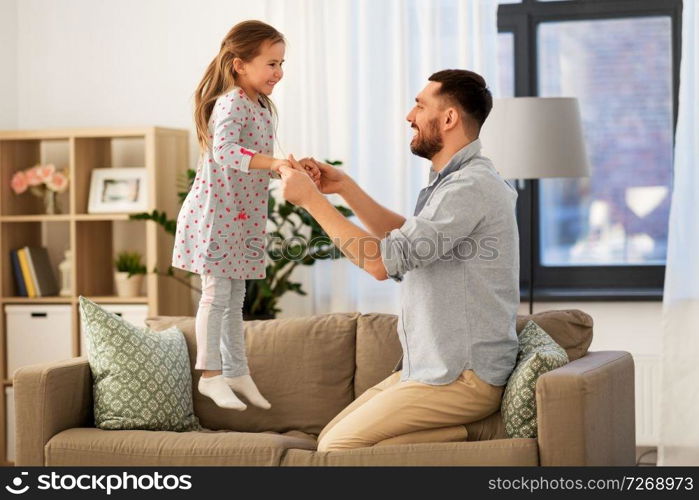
(122,190)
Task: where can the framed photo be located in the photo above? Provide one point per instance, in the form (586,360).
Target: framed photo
(118,190)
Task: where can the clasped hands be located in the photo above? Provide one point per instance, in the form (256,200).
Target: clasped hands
(301,179)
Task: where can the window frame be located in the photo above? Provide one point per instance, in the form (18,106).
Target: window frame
(562,283)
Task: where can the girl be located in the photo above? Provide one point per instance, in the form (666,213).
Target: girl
(221,224)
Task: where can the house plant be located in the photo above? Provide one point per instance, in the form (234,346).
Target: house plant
(129,273)
(295,239)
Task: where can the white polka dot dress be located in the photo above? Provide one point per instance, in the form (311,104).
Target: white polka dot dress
(221,225)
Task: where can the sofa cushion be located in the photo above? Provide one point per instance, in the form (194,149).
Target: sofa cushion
(538,354)
(515,452)
(141,378)
(81,446)
(569,328)
(303,366)
(378,350)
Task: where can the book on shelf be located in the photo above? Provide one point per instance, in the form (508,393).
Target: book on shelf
(26,274)
(33,272)
(17,271)
(42,274)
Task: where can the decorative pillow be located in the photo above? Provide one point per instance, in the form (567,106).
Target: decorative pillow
(141,378)
(538,354)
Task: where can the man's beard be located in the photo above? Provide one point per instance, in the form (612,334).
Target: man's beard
(427,143)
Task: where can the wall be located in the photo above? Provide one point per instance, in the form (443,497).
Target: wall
(8,64)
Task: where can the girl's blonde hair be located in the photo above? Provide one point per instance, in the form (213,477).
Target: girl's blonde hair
(244,41)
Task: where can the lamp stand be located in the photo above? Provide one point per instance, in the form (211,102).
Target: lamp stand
(531,247)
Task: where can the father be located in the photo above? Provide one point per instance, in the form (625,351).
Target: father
(457,260)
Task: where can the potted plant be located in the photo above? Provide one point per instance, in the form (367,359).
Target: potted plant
(129,273)
(309,243)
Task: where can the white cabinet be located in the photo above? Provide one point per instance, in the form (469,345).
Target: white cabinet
(135,314)
(37,334)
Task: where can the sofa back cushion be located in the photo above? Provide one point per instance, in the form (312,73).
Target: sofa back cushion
(303,366)
(378,347)
(378,350)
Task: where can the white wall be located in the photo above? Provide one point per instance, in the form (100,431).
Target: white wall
(8,64)
(89,63)
(619,326)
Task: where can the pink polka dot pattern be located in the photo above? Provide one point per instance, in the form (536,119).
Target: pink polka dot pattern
(221,226)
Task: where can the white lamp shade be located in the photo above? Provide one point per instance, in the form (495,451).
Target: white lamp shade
(535,137)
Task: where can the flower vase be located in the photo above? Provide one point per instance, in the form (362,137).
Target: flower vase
(50,203)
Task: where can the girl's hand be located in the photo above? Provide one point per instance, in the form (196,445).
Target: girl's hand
(331,179)
(312,170)
(277,164)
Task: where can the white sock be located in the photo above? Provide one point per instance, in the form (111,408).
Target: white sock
(244,385)
(217,389)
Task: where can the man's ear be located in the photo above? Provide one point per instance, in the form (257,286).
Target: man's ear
(451,119)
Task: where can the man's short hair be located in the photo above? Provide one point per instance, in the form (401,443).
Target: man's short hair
(468,91)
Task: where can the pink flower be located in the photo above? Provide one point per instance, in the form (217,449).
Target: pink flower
(46,171)
(58,182)
(32,176)
(19,183)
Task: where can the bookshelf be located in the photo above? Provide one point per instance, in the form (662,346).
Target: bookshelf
(94,239)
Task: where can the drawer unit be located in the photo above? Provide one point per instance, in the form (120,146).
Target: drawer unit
(37,334)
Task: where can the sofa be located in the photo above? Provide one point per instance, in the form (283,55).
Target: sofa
(310,368)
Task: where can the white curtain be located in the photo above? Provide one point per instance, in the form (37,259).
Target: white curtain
(679,432)
(353,69)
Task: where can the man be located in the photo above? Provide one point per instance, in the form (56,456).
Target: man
(458,263)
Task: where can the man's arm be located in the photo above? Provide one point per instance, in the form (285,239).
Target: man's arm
(362,248)
(378,219)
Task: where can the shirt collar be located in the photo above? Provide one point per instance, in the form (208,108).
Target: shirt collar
(457,162)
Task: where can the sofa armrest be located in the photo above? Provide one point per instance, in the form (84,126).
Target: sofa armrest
(585,411)
(49,398)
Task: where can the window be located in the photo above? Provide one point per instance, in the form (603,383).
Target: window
(605,235)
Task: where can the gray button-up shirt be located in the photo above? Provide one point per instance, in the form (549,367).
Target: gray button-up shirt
(457,260)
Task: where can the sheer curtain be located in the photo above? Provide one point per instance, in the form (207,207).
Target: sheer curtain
(353,70)
(679,431)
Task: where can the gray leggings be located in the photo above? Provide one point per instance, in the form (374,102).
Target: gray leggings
(219,326)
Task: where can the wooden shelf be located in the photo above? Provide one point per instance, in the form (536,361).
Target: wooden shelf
(37,300)
(100,217)
(113,299)
(35,218)
(94,239)
(108,132)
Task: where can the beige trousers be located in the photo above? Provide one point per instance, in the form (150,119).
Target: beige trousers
(395,412)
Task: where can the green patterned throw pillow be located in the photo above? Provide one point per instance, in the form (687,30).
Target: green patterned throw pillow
(141,378)
(538,354)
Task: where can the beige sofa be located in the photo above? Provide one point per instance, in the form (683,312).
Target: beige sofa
(310,368)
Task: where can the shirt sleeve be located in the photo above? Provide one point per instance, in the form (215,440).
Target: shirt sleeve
(230,113)
(450,217)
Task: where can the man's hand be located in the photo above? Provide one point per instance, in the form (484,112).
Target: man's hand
(331,179)
(277,164)
(297,185)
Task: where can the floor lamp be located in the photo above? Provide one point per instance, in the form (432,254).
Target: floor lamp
(535,138)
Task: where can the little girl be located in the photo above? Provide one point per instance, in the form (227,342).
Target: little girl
(221,224)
